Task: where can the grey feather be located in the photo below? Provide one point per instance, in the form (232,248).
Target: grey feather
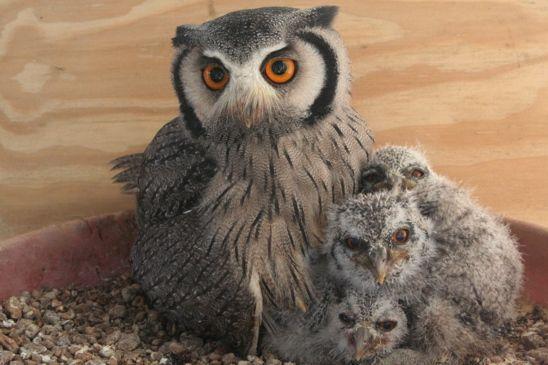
(130,166)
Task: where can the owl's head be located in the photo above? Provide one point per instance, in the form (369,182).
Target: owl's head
(366,327)
(396,167)
(379,239)
(266,71)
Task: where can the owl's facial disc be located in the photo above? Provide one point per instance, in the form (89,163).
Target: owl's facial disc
(257,86)
(395,167)
(383,257)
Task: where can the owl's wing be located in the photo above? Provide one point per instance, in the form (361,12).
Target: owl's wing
(130,166)
(192,281)
(169,176)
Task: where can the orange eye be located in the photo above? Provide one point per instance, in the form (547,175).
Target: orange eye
(280,70)
(215,76)
(400,236)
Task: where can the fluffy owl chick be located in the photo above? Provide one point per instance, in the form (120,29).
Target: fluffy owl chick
(380,242)
(231,193)
(474,246)
(354,328)
(403,168)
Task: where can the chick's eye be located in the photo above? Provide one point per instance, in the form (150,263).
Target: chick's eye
(347,319)
(417,173)
(386,326)
(280,70)
(400,236)
(354,243)
(372,178)
(215,76)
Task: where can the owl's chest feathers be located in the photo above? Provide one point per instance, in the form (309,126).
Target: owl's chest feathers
(279,192)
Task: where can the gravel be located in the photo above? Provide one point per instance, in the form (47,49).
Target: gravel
(111,324)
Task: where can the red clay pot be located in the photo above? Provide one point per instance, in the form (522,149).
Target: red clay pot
(84,252)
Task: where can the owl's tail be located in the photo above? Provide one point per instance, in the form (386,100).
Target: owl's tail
(131,168)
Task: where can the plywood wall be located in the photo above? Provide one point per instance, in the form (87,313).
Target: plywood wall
(82,82)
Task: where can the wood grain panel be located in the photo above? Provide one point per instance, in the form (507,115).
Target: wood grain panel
(82,82)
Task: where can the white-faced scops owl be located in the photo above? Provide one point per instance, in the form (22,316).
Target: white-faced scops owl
(232,192)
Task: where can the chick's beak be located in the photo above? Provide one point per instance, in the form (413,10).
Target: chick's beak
(408,184)
(381,274)
(359,341)
(365,342)
(380,265)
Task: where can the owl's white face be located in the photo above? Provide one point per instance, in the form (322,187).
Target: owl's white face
(366,328)
(273,88)
(264,72)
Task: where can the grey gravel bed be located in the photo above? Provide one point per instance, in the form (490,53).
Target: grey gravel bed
(111,324)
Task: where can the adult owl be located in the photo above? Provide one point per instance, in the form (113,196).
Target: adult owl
(233,192)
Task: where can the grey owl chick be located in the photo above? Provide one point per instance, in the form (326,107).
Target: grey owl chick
(382,244)
(474,245)
(231,193)
(339,329)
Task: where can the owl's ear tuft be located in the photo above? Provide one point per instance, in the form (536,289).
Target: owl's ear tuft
(185,35)
(324,15)
(321,16)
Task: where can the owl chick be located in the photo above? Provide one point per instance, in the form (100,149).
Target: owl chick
(381,243)
(356,328)
(231,193)
(474,246)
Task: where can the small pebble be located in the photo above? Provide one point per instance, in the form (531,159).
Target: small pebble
(106,352)
(8,343)
(118,311)
(531,340)
(50,317)
(14,307)
(128,342)
(229,358)
(6,357)
(31,330)
(113,337)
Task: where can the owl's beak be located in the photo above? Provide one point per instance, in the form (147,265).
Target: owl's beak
(365,342)
(408,184)
(250,100)
(380,264)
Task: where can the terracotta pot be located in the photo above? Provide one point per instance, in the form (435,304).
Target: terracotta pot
(83,252)
(80,253)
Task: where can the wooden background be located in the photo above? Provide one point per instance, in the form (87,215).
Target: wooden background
(82,82)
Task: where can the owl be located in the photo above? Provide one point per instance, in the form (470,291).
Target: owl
(381,243)
(233,191)
(356,328)
(474,245)
(403,168)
